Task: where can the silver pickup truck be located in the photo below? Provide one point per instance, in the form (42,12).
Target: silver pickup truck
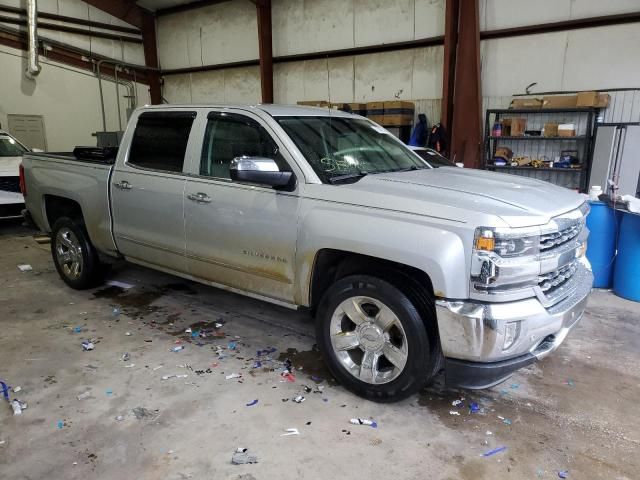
(407,268)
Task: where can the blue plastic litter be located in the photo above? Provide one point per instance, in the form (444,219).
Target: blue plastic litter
(515,385)
(494,451)
(195,334)
(232,345)
(5,390)
(506,421)
(474,407)
(252,403)
(258,364)
(563,473)
(60,424)
(109,392)
(77,329)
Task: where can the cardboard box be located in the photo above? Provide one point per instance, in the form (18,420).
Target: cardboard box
(587,99)
(560,101)
(526,103)
(603,100)
(514,127)
(358,108)
(566,130)
(314,103)
(398,113)
(375,112)
(550,129)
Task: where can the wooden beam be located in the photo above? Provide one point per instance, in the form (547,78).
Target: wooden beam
(265,48)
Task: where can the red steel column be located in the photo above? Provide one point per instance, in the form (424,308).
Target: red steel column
(449,68)
(265,48)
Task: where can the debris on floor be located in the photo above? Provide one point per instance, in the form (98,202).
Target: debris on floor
(233,375)
(87,345)
(290,431)
(563,474)
(298,399)
(84,396)
(142,413)
(120,284)
(363,421)
(242,457)
(453,412)
(25,267)
(252,403)
(493,452)
(18,406)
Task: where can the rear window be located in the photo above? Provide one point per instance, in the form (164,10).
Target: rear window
(160,140)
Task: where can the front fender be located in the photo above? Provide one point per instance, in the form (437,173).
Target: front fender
(433,246)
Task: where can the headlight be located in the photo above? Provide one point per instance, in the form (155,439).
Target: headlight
(502,260)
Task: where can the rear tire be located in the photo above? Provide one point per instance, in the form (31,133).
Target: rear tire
(74,256)
(373,338)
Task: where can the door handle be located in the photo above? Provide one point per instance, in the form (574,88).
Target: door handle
(123,185)
(199,197)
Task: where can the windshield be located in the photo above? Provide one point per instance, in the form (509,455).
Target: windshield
(339,148)
(433,158)
(10,148)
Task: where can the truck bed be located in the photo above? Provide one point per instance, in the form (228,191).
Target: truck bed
(71,177)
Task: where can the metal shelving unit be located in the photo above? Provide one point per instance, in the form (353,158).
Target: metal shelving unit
(545,148)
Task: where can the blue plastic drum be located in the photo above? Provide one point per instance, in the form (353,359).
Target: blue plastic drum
(626,279)
(601,247)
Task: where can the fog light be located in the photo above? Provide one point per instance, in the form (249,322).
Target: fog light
(511,332)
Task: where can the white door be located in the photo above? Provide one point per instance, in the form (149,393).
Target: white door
(28,129)
(240,235)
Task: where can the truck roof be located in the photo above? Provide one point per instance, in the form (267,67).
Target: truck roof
(271,109)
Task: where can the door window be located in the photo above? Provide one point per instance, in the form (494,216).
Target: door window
(231,135)
(160,140)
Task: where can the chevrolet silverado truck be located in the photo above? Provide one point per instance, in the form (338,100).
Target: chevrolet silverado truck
(407,269)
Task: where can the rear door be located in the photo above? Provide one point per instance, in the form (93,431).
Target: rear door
(147,190)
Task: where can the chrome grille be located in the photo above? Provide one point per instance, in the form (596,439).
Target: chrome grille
(552,280)
(555,239)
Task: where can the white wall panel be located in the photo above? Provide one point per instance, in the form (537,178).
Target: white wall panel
(68,99)
(383,21)
(605,57)
(229,32)
(311,25)
(235,85)
(429,18)
(495,14)
(510,64)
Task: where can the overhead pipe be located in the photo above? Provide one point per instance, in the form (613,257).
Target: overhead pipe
(33,65)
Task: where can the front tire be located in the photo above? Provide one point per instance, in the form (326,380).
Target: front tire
(74,256)
(373,339)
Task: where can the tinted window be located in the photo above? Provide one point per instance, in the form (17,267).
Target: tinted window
(229,136)
(160,140)
(10,148)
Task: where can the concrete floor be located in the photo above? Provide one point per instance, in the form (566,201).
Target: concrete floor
(575,411)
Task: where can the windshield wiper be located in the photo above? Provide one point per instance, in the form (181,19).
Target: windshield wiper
(347,176)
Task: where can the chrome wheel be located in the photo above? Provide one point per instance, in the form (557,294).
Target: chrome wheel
(368,339)
(69,253)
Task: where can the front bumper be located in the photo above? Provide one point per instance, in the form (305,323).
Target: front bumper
(472,334)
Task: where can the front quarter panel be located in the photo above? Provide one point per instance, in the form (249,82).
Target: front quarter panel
(434,246)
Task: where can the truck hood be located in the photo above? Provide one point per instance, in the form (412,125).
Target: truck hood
(459,193)
(10,166)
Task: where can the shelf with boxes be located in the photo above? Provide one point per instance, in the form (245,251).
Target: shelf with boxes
(551,144)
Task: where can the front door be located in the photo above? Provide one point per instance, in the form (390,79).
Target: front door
(240,235)
(147,191)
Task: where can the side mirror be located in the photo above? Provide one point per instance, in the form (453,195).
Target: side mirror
(263,171)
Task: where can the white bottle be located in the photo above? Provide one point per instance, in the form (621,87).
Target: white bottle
(594,192)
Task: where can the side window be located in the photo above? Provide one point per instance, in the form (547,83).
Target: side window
(160,140)
(231,135)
